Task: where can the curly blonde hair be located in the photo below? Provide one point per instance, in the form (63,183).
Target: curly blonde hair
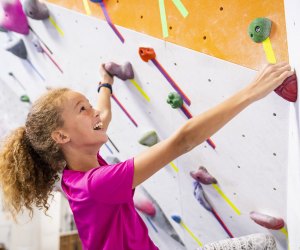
(30,160)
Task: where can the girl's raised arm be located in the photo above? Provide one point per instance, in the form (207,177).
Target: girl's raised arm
(199,128)
(104,104)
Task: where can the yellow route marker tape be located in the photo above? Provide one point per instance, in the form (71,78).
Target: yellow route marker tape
(217,188)
(191,234)
(163,18)
(140,89)
(284,231)
(269,51)
(56,26)
(181,8)
(87,7)
(174,166)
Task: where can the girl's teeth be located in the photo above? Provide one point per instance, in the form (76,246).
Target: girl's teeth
(98,126)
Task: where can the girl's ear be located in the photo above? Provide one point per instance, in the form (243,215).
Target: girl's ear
(60,137)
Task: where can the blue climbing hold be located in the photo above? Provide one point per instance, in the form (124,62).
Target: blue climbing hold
(176,218)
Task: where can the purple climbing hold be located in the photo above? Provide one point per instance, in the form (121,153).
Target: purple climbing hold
(124,72)
(203,176)
(36,10)
(201,196)
(37,45)
(14,18)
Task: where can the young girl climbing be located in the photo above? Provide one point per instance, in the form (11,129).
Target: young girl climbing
(63,132)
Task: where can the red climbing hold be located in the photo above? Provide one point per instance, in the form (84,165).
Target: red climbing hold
(147,54)
(203,176)
(288,89)
(267,221)
(145,206)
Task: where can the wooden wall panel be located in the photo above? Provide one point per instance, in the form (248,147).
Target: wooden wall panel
(217,28)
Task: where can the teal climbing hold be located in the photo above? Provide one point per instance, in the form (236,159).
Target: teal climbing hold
(175,100)
(260,29)
(149,139)
(25,98)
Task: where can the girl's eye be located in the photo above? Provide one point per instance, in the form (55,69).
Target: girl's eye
(82,108)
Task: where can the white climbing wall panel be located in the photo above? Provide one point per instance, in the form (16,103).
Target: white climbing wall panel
(250,161)
(293,184)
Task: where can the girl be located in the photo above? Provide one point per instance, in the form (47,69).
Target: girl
(63,132)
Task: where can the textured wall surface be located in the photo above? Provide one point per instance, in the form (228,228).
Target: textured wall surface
(251,156)
(293,184)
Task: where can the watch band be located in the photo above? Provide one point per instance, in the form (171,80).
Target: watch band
(106,85)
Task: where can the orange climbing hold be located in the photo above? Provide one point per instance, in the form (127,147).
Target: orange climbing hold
(147,54)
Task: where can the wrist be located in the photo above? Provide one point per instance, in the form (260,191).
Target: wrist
(108,80)
(247,94)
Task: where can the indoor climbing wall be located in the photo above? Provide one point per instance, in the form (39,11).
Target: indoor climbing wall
(203,52)
(293,185)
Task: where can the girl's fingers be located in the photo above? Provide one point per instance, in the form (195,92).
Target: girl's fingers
(103,71)
(285,75)
(282,69)
(280,64)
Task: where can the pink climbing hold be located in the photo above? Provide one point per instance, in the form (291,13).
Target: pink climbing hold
(14,18)
(123,72)
(203,176)
(145,206)
(267,221)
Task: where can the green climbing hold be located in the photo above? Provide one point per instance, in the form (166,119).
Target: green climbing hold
(260,29)
(25,98)
(175,100)
(149,139)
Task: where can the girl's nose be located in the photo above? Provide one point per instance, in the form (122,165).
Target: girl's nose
(97,113)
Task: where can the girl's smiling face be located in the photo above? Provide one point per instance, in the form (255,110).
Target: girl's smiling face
(82,123)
